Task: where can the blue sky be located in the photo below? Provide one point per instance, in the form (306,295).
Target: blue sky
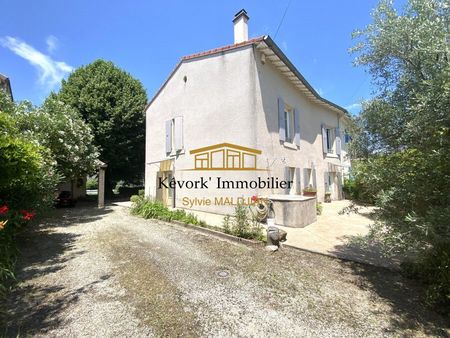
(42,41)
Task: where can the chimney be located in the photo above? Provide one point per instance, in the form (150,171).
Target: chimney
(240,26)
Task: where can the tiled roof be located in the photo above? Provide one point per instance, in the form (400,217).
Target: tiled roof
(275,50)
(223,49)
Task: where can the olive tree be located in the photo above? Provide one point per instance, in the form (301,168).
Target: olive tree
(402,133)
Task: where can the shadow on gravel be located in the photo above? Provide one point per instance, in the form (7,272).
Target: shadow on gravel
(32,308)
(405,298)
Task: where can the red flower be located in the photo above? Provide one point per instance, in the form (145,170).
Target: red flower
(27,215)
(3,209)
(254,198)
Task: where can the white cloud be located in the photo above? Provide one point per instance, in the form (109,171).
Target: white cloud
(353,106)
(319,91)
(284,45)
(52,43)
(50,71)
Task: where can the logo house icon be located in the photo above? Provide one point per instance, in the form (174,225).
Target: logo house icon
(225,156)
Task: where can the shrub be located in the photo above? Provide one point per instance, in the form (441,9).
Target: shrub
(148,208)
(358,188)
(10,222)
(243,224)
(433,269)
(92,183)
(28,178)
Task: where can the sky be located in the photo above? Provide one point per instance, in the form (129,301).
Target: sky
(41,42)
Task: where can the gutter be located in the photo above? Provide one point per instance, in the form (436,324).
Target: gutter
(272,45)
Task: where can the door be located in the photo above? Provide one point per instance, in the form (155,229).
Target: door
(165,195)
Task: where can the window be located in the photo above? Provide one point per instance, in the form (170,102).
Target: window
(290,177)
(309,178)
(293,175)
(174,135)
(330,139)
(347,137)
(289,124)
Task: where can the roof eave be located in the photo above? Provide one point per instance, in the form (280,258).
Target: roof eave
(272,45)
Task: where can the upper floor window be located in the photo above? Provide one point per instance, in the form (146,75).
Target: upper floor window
(289,124)
(330,139)
(174,135)
(347,137)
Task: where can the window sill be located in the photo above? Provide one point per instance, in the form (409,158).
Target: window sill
(290,145)
(332,155)
(176,153)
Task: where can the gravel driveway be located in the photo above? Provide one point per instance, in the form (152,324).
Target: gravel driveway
(89,272)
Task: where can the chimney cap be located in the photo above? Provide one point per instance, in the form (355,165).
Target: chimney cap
(238,15)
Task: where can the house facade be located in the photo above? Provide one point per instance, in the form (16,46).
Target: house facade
(241,113)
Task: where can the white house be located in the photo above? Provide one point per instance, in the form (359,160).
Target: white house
(241,114)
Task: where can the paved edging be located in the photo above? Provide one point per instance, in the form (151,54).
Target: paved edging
(347,259)
(259,243)
(219,234)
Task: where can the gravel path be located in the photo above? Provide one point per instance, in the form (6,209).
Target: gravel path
(88,273)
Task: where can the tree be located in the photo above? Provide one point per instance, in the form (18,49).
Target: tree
(28,176)
(112,102)
(402,134)
(58,127)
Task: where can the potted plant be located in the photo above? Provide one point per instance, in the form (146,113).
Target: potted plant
(309,191)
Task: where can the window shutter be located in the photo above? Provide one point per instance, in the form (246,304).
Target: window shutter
(178,133)
(297,127)
(338,142)
(281,120)
(324,140)
(168,136)
(298,180)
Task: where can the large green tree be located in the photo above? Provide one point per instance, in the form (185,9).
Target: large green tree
(112,102)
(402,134)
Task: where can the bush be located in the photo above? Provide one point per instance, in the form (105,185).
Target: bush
(10,222)
(243,224)
(358,188)
(148,208)
(433,269)
(92,183)
(28,178)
